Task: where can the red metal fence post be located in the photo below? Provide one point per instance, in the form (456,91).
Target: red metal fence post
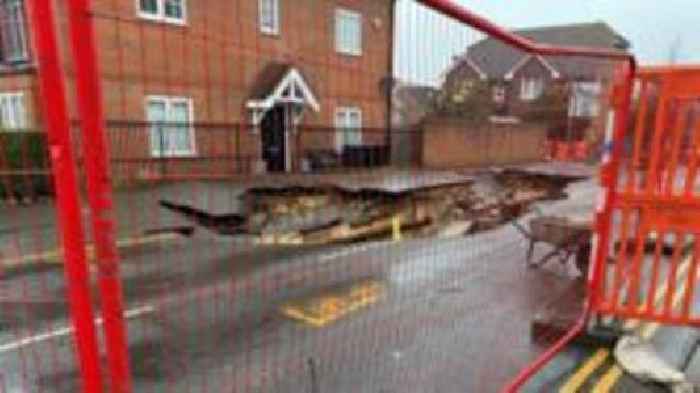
(51,81)
(99,192)
(614,145)
(459,13)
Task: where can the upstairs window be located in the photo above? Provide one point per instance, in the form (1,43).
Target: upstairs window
(585,99)
(348,32)
(12,113)
(13,33)
(531,88)
(269,11)
(171,11)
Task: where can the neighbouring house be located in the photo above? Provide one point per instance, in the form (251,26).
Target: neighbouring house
(515,83)
(220,86)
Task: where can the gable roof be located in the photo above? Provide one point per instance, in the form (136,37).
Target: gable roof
(279,81)
(497,59)
(268,78)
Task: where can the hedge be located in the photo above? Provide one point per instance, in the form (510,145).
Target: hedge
(20,153)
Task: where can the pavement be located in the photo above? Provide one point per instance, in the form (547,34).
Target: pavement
(425,315)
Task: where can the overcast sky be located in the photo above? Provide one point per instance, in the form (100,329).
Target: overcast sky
(427,43)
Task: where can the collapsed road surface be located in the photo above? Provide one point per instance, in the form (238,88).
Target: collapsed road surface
(442,315)
(324,214)
(425,314)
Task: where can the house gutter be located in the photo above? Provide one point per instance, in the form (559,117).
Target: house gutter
(611,164)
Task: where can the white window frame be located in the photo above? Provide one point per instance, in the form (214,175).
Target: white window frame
(275,29)
(340,44)
(160,16)
(16,23)
(18,119)
(169,102)
(346,111)
(591,104)
(531,88)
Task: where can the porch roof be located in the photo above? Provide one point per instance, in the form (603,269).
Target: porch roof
(280,82)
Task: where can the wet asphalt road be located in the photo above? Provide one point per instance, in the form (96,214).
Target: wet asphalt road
(215,326)
(205,316)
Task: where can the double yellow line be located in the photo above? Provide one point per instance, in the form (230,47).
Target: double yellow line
(601,356)
(56,256)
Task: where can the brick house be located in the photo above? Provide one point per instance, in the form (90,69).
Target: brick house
(220,86)
(517,80)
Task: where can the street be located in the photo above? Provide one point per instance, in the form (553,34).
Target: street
(433,315)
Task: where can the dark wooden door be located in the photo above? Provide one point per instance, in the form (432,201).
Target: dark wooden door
(272,129)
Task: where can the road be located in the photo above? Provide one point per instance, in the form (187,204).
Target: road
(444,315)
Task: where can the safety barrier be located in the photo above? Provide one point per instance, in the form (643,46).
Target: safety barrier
(238,264)
(649,270)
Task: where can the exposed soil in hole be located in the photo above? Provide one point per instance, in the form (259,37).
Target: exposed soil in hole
(331,214)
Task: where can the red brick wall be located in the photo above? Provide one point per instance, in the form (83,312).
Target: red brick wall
(215,59)
(451,143)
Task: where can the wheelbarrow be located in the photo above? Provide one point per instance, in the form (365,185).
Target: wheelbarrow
(566,237)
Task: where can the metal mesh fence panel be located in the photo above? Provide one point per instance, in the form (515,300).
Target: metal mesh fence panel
(289,196)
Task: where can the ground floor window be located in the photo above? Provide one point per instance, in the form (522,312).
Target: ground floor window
(348,124)
(171,131)
(12,111)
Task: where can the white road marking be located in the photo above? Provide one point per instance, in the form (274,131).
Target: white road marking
(66,331)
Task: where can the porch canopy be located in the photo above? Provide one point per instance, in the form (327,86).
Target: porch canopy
(280,84)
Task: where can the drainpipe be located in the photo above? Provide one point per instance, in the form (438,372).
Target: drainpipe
(390,89)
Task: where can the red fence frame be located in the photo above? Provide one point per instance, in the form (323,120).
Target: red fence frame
(69,207)
(93,129)
(622,100)
(89,95)
(99,187)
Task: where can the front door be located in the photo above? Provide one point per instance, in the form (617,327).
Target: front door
(273,135)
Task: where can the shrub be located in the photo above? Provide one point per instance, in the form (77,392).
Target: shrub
(21,153)
(468,98)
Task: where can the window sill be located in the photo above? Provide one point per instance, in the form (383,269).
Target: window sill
(349,55)
(17,68)
(174,154)
(270,34)
(163,21)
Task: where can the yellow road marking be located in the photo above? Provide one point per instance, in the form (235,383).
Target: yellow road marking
(577,380)
(608,380)
(56,256)
(319,311)
(615,372)
(396,228)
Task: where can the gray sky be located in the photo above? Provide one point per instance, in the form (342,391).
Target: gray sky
(426,43)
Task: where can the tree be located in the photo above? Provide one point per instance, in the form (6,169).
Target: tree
(551,107)
(467,98)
